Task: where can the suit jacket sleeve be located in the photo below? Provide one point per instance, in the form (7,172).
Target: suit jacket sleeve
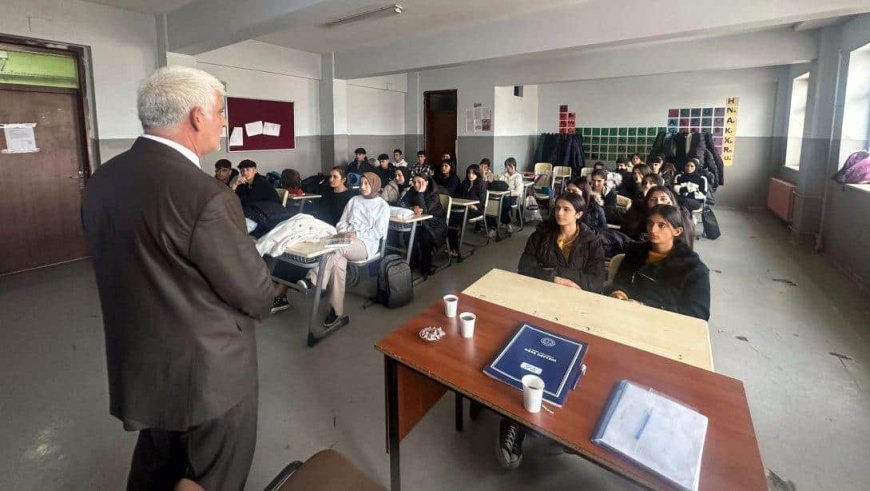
(227,258)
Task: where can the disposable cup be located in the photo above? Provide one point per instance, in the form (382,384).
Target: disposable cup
(466,320)
(533,393)
(451,302)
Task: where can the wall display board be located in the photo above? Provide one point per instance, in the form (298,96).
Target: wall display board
(610,143)
(258,124)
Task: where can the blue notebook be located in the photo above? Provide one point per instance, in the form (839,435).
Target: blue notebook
(533,350)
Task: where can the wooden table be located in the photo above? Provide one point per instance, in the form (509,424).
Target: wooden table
(465,204)
(417,374)
(303,198)
(309,255)
(664,333)
(405,225)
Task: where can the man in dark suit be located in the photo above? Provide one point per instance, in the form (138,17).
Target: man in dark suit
(181,286)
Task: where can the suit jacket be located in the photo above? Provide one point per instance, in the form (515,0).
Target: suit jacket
(180,285)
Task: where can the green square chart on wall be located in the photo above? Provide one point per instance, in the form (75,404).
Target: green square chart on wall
(612,143)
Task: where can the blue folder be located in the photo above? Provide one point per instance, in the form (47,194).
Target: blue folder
(536,351)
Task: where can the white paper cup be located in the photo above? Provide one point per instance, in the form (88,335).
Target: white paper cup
(451,302)
(466,320)
(533,393)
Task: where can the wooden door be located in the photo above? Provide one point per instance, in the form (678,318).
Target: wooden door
(440,128)
(41,198)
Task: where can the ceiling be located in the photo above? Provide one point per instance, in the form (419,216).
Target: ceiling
(419,16)
(145,6)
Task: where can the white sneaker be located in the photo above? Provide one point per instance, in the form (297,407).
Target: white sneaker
(509,228)
(491,233)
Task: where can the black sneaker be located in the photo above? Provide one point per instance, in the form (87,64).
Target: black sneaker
(510,444)
(333,321)
(330,317)
(305,284)
(280,303)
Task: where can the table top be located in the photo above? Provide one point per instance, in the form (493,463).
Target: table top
(464,202)
(412,219)
(731,459)
(498,193)
(310,250)
(305,196)
(664,333)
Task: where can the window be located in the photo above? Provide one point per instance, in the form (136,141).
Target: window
(856,111)
(796,116)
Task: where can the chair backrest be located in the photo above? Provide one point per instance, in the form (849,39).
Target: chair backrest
(562,171)
(486,202)
(543,168)
(586,171)
(283,195)
(491,206)
(446,203)
(613,268)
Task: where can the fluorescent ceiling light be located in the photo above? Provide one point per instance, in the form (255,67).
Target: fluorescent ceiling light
(388,11)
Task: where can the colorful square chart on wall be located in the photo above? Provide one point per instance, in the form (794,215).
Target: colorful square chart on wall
(611,143)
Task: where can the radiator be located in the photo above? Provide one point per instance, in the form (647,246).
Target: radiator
(780,198)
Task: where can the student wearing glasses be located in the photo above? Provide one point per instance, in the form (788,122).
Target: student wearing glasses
(663,271)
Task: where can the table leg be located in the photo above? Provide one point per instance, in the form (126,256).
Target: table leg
(301,205)
(392,382)
(462,234)
(411,242)
(498,219)
(458,410)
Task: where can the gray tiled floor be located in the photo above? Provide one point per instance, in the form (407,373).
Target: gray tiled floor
(810,408)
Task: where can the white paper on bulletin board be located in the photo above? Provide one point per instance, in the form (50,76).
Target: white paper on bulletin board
(20,138)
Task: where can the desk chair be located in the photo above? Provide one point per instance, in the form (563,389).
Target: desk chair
(482,218)
(543,179)
(586,171)
(354,267)
(613,268)
(698,214)
(562,173)
(447,204)
(326,470)
(283,195)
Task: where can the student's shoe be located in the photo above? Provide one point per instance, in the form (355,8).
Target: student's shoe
(509,228)
(305,284)
(491,233)
(453,253)
(333,321)
(280,303)
(330,317)
(510,444)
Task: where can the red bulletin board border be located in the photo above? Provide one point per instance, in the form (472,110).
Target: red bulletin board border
(241,111)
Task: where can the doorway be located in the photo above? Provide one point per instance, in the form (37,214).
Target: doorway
(439,130)
(42,183)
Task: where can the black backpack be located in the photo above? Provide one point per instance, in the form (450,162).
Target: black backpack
(498,186)
(711,225)
(394,282)
(312,184)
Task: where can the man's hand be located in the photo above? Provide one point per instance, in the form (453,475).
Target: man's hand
(565,282)
(239,181)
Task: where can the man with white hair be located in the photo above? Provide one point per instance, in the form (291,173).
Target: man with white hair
(181,286)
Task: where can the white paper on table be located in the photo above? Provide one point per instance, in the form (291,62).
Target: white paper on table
(271,129)
(237,138)
(20,138)
(254,129)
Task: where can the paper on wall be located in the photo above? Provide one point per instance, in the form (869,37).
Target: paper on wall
(271,129)
(236,137)
(20,138)
(254,129)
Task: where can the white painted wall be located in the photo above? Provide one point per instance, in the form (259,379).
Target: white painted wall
(644,101)
(123,51)
(515,126)
(375,111)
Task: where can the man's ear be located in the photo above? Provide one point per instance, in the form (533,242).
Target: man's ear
(197,118)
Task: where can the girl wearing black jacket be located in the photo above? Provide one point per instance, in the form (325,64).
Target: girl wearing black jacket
(474,188)
(423,200)
(664,272)
(447,178)
(690,187)
(564,250)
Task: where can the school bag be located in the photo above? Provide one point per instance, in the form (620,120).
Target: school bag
(394,282)
(532,211)
(498,186)
(274,179)
(856,170)
(711,225)
(312,184)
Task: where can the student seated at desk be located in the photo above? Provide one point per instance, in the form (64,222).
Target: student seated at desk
(396,189)
(486,170)
(663,272)
(565,251)
(331,205)
(669,173)
(423,200)
(291,180)
(251,187)
(473,188)
(634,220)
(690,187)
(224,172)
(360,163)
(365,220)
(515,186)
(447,179)
(593,215)
(421,166)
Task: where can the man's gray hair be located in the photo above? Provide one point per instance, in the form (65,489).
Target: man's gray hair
(166,97)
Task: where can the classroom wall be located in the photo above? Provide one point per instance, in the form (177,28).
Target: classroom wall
(516,126)
(375,109)
(644,101)
(122,51)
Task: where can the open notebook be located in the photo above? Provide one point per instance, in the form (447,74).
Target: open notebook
(655,431)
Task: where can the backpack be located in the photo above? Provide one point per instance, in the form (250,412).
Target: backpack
(498,186)
(711,225)
(312,184)
(394,282)
(274,179)
(856,170)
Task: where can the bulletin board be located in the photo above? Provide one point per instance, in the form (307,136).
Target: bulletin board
(258,124)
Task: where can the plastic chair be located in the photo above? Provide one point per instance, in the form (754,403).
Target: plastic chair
(586,171)
(482,217)
(283,195)
(326,470)
(562,173)
(543,180)
(613,268)
(354,267)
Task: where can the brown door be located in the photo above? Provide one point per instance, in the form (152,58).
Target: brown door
(41,198)
(440,127)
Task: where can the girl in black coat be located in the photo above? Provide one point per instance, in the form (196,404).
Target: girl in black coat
(564,250)
(474,188)
(664,272)
(447,178)
(593,215)
(423,199)
(690,187)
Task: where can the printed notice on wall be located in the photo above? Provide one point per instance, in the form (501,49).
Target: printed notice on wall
(20,138)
